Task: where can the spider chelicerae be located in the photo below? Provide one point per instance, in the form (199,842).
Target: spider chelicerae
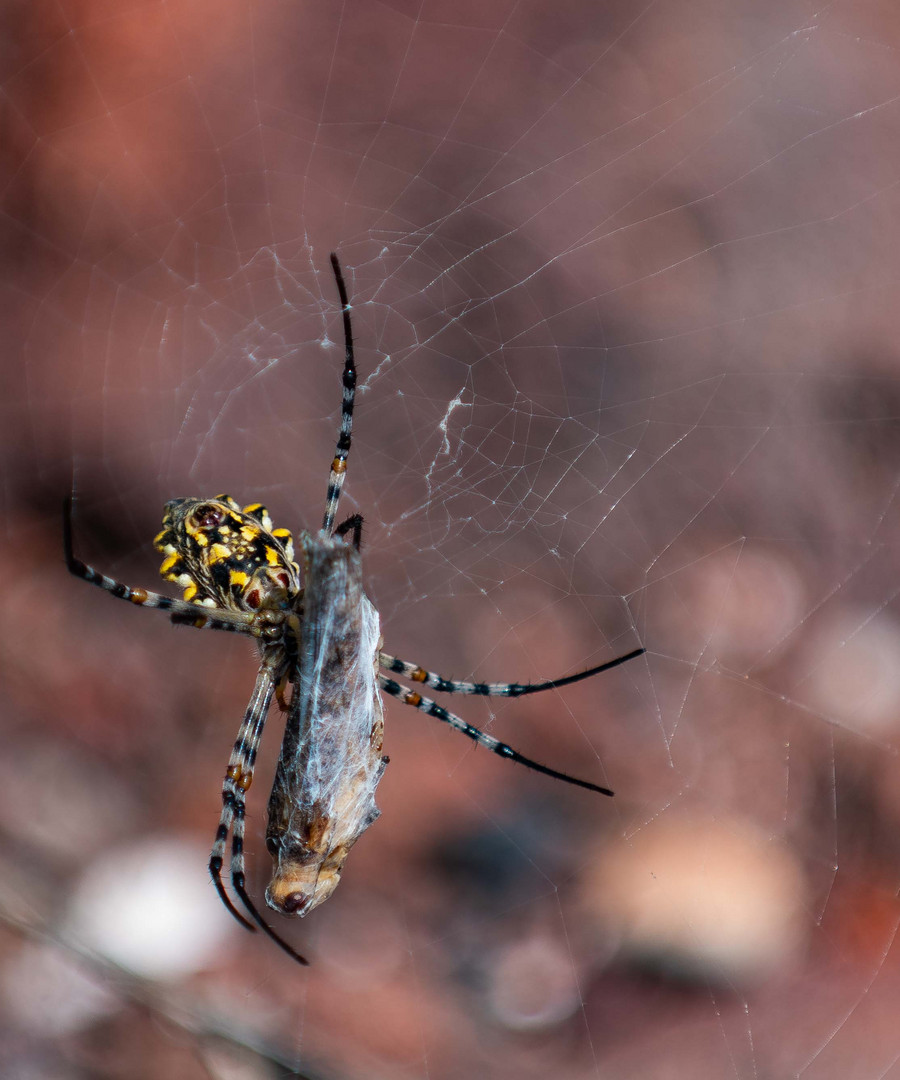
(317,633)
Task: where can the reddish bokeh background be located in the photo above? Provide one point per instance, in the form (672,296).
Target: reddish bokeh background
(624,288)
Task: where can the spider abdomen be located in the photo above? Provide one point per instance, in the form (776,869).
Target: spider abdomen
(223,556)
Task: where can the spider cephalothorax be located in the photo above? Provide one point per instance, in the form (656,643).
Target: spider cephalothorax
(225,556)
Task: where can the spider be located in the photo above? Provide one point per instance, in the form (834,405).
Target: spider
(321,638)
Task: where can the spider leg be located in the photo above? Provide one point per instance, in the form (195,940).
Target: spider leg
(237,881)
(181,610)
(431,708)
(283,705)
(454,686)
(238,778)
(353,524)
(342,452)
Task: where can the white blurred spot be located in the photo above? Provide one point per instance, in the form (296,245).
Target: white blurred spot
(49,993)
(741,605)
(856,672)
(229,1063)
(150,908)
(752,603)
(532,985)
(707,900)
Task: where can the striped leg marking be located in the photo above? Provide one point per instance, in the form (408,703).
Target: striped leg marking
(238,778)
(431,708)
(342,451)
(454,686)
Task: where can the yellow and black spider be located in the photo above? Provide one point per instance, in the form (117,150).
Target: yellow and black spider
(318,633)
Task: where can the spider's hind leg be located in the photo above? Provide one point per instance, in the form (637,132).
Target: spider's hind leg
(238,778)
(431,708)
(457,686)
(239,886)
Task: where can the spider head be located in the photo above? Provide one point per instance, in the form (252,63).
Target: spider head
(225,556)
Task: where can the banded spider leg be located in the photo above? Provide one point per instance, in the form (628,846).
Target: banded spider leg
(272,629)
(454,686)
(323,639)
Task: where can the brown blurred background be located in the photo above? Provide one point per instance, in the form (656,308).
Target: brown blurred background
(624,287)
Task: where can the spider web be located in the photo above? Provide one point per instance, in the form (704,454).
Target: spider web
(624,292)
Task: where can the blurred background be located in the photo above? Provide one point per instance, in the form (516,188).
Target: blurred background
(625,295)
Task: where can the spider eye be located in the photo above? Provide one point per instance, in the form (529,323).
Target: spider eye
(273,846)
(208,517)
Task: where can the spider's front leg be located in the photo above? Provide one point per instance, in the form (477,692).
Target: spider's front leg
(238,778)
(181,611)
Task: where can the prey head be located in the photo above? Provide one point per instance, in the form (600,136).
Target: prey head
(309,849)
(303,879)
